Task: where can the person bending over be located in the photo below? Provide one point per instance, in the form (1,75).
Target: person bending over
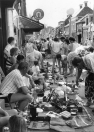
(87,63)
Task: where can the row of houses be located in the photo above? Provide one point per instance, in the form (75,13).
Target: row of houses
(82,26)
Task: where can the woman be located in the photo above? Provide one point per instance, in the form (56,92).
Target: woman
(56,47)
(17,124)
(87,63)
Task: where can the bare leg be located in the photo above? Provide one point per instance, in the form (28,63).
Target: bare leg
(4,121)
(22,99)
(54,60)
(59,66)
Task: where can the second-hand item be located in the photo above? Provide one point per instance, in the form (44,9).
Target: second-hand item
(71,95)
(33,111)
(65,114)
(39,125)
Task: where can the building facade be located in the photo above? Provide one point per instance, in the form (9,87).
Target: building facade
(6,28)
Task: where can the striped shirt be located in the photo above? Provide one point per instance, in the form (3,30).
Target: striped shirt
(12,82)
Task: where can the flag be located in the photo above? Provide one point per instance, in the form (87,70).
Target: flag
(16,5)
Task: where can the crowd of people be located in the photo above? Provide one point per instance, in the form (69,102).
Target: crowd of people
(24,67)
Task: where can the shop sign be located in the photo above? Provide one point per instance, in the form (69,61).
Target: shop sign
(38,14)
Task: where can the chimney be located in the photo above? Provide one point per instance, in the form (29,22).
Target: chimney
(85,2)
(81,6)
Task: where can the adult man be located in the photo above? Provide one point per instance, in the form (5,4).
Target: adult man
(73,44)
(56,46)
(14,86)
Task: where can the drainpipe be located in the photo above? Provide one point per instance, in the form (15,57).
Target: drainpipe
(10,26)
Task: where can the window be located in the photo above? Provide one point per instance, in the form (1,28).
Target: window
(91,19)
(86,21)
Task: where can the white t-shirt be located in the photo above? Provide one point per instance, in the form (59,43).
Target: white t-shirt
(89,61)
(56,46)
(46,45)
(12,82)
(73,46)
(8,48)
(37,55)
(35,70)
(29,48)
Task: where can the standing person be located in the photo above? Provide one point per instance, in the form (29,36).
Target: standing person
(87,63)
(72,47)
(13,85)
(73,44)
(56,46)
(10,45)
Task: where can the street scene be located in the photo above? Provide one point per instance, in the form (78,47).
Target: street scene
(46,66)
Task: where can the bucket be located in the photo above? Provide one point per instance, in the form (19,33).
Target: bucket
(81,90)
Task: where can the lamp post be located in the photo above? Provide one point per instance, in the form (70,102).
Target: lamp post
(70,13)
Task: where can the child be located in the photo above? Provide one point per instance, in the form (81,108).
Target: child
(36,69)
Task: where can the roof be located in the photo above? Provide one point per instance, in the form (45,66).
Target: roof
(28,24)
(77,12)
(80,13)
(81,20)
(66,20)
(84,11)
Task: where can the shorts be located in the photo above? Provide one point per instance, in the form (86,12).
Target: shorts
(58,56)
(37,82)
(9,96)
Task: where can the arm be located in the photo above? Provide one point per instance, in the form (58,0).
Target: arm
(3,113)
(25,90)
(78,74)
(6,53)
(31,80)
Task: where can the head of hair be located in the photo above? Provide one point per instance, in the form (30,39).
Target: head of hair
(17,124)
(76,61)
(20,57)
(66,41)
(13,51)
(58,56)
(48,39)
(62,38)
(10,39)
(23,65)
(35,63)
(56,39)
(72,39)
(91,49)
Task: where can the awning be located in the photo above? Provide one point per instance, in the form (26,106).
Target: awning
(27,24)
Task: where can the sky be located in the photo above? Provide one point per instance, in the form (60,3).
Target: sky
(54,10)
